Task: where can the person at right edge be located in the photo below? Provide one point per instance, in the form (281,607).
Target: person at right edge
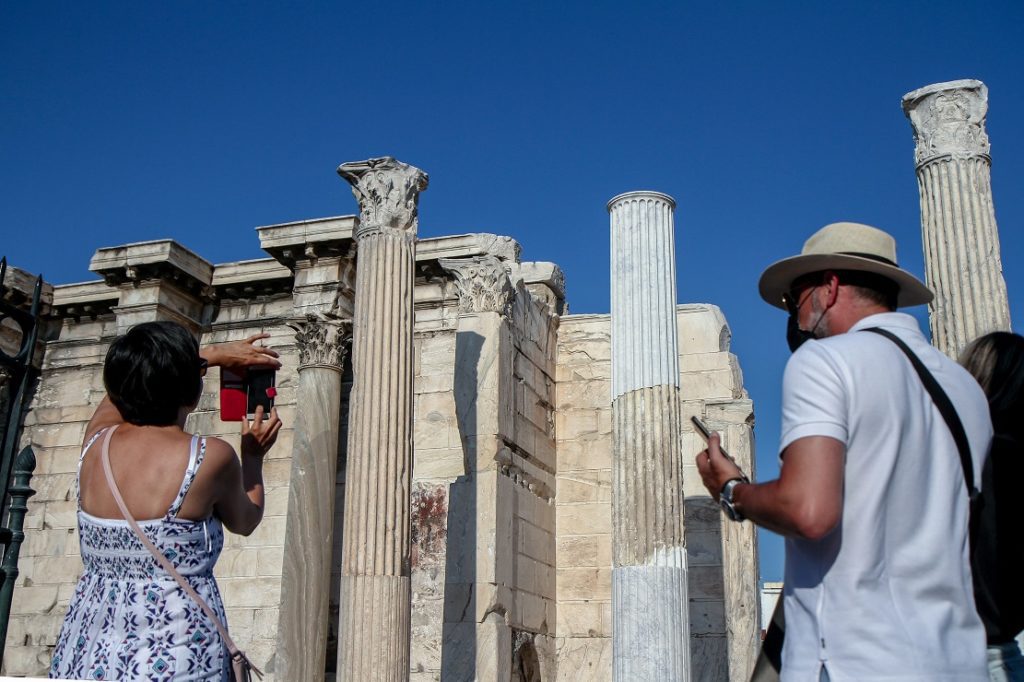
(996,360)
(871,495)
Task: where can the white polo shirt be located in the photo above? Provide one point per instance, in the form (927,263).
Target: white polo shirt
(887,595)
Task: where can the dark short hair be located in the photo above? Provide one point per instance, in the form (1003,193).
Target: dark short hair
(868,285)
(996,360)
(153,371)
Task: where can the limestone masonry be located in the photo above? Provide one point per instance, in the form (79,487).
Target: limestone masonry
(472,484)
(440,502)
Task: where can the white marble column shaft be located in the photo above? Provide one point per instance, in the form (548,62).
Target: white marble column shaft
(375,599)
(958,222)
(302,622)
(650,614)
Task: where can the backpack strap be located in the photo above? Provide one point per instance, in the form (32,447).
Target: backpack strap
(945,407)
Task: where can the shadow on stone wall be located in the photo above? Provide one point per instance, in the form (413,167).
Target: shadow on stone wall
(709,649)
(334,587)
(459,645)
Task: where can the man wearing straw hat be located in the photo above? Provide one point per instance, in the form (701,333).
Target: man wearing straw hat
(871,495)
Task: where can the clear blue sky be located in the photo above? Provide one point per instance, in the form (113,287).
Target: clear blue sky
(127,121)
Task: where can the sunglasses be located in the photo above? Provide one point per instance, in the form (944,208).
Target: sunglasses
(793,302)
(203,364)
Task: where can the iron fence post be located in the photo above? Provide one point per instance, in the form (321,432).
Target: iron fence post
(24,466)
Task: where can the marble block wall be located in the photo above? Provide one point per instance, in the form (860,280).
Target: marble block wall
(50,562)
(511,496)
(722,556)
(249,569)
(70,387)
(499,592)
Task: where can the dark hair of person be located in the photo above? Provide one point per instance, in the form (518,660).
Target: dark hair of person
(875,288)
(996,360)
(152,371)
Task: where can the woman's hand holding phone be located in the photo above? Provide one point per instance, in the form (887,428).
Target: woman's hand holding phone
(260,434)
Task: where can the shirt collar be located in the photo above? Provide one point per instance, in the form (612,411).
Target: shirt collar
(893,319)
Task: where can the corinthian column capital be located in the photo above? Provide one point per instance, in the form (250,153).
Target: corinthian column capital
(322,340)
(387,191)
(948,119)
(483,284)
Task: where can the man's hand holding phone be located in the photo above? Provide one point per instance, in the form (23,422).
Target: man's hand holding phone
(715,466)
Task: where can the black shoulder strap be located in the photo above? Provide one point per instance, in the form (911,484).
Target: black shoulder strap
(946,408)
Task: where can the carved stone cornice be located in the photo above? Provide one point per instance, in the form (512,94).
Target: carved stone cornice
(323,341)
(163,260)
(948,120)
(483,284)
(388,193)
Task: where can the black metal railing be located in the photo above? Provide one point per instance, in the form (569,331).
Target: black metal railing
(20,373)
(13,535)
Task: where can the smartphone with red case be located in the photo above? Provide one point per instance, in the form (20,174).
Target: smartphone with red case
(261,389)
(233,396)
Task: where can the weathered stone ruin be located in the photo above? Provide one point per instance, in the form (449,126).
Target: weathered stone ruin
(507,508)
(462,489)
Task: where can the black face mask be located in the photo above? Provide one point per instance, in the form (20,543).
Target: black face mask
(795,336)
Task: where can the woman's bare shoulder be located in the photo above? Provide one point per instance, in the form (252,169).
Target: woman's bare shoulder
(219,454)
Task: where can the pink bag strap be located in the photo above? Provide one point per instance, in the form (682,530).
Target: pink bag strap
(163,561)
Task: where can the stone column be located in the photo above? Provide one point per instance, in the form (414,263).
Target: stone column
(958,220)
(375,600)
(650,615)
(302,623)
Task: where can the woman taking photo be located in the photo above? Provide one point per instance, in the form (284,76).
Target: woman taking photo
(128,618)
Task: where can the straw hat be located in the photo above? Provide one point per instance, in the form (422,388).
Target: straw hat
(844,246)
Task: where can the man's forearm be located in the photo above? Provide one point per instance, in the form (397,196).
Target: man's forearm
(805,501)
(760,503)
(768,505)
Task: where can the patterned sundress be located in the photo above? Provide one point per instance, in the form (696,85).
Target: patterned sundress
(128,619)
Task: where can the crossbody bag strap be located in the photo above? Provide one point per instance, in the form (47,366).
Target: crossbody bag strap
(945,406)
(161,559)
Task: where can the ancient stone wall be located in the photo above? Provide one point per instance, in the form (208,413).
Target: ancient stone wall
(721,555)
(70,388)
(249,569)
(583,512)
(499,592)
(511,495)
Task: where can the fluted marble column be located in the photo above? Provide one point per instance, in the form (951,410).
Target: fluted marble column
(958,221)
(650,614)
(375,600)
(302,622)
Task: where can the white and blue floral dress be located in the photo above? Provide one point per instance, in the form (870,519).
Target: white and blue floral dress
(128,619)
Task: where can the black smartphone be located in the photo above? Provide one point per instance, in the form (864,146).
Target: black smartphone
(702,428)
(705,433)
(261,389)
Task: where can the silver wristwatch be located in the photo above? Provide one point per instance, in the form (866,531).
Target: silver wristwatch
(725,498)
